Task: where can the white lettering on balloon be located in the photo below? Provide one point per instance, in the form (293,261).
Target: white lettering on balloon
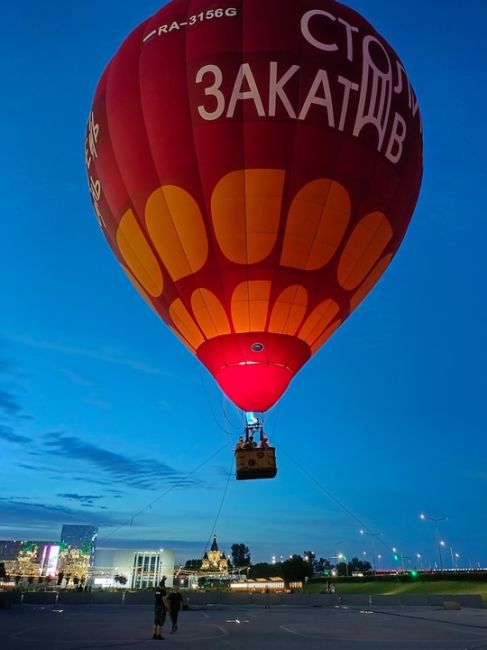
(375,98)
(245,78)
(346,104)
(91,154)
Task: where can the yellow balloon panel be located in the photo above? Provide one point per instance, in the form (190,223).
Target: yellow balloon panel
(370,281)
(138,255)
(364,247)
(318,321)
(289,310)
(177,230)
(184,322)
(317,220)
(209,313)
(250,306)
(325,336)
(246,210)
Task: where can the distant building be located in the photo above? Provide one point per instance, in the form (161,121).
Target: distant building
(77,550)
(9,549)
(80,536)
(132,569)
(265,585)
(29,559)
(76,560)
(214,561)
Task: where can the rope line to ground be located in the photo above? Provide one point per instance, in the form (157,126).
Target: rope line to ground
(230,474)
(332,497)
(130,521)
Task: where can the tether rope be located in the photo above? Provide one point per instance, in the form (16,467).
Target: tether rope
(130,521)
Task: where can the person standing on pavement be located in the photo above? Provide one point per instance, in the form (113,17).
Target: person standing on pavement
(160,607)
(175,604)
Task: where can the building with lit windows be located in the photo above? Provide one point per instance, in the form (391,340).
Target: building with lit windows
(72,556)
(29,559)
(132,569)
(76,560)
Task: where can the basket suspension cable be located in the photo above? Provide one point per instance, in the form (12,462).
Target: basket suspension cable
(212,412)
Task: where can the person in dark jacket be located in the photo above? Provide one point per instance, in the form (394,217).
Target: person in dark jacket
(175,604)
(160,606)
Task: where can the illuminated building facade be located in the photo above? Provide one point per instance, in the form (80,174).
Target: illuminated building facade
(137,569)
(214,560)
(77,550)
(29,559)
(76,560)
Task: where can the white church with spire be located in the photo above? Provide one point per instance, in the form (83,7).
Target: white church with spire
(214,560)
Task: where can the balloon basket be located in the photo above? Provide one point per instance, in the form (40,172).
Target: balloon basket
(255,463)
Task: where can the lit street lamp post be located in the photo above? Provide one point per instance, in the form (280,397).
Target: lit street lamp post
(400,556)
(441,558)
(373,536)
(343,558)
(436,521)
(443,544)
(338,556)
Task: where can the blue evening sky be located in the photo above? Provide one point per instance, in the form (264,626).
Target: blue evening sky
(106,419)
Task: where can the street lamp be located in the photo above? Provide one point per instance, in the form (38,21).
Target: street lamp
(435,520)
(373,536)
(397,556)
(341,556)
(423,516)
(443,543)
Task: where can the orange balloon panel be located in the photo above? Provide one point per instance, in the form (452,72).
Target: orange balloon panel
(254,182)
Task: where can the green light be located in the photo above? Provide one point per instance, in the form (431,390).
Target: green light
(396,556)
(414,573)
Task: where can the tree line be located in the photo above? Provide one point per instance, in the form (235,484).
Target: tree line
(295,567)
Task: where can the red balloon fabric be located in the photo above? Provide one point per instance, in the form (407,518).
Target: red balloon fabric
(254,166)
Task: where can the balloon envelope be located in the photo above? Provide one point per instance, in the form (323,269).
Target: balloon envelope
(254,166)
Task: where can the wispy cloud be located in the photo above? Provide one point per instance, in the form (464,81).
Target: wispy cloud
(145,474)
(95,481)
(8,403)
(16,512)
(105,355)
(8,434)
(84,499)
(45,469)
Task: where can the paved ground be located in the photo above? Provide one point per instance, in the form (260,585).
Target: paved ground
(91,627)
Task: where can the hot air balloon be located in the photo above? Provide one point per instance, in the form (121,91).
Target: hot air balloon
(254,166)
